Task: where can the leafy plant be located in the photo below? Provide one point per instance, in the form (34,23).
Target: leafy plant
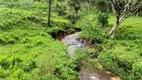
(102,19)
(92,32)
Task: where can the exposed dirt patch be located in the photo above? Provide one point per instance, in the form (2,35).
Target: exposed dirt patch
(105,75)
(101,74)
(60,34)
(98,75)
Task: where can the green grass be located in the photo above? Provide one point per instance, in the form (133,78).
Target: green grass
(131,21)
(122,55)
(28,52)
(34,51)
(28,1)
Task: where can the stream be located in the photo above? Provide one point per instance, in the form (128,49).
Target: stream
(73,42)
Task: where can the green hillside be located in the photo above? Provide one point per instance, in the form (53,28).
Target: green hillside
(102,35)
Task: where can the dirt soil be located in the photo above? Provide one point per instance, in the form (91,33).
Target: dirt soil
(101,74)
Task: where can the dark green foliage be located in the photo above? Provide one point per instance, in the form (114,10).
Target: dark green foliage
(73,18)
(61,8)
(102,19)
(101,5)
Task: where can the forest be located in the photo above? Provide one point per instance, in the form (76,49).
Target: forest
(70,39)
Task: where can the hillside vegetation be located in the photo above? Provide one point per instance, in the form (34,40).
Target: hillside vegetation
(31,49)
(123,56)
(27,51)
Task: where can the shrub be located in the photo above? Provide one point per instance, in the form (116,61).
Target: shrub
(93,33)
(102,19)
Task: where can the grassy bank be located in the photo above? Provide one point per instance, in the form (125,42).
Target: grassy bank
(123,56)
(28,51)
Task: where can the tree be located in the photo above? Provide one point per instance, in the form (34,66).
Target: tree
(36,0)
(60,6)
(77,5)
(49,11)
(74,5)
(123,10)
(90,4)
(102,12)
(101,5)
(11,3)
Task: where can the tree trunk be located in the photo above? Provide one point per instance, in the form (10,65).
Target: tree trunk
(112,7)
(76,13)
(112,33)
(49,12)
(89,9)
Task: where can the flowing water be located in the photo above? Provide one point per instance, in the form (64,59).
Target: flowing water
(73,42)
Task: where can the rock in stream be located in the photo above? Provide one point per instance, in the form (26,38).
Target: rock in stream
(73,42)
